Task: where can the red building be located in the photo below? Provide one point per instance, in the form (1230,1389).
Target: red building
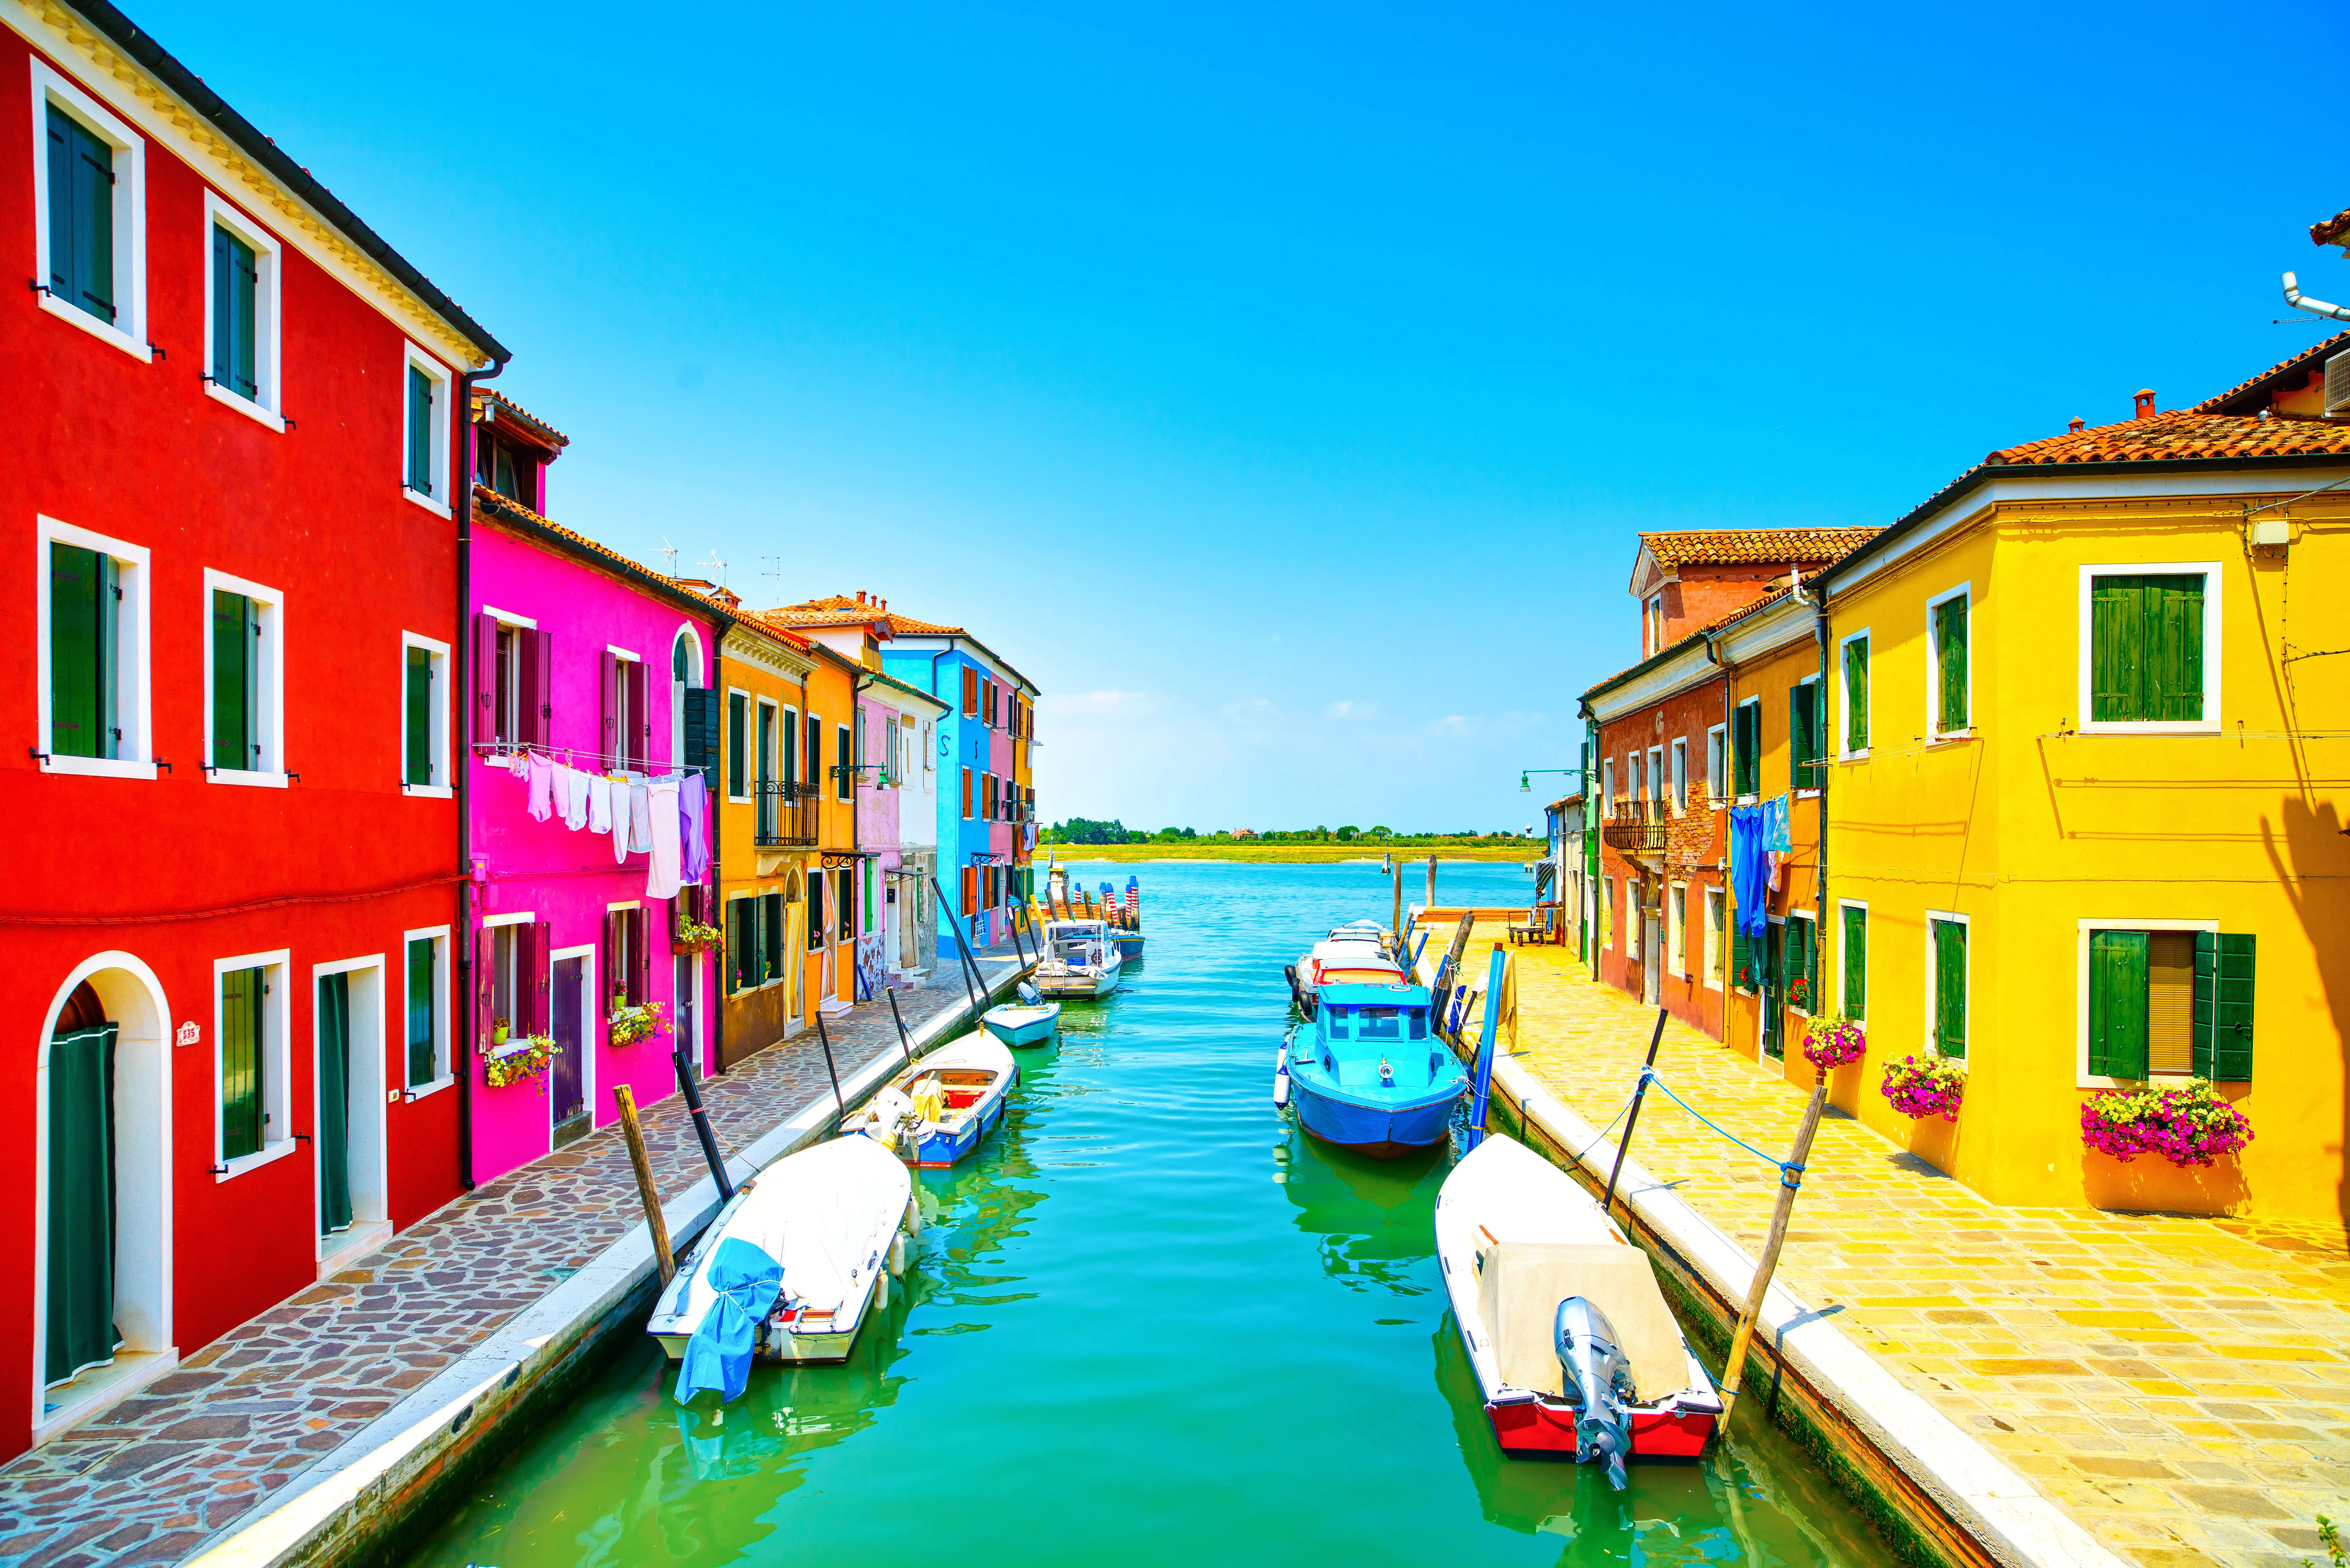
(233,447)
(1664,755)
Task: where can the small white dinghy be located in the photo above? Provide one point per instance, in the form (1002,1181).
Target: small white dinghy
(935,1112)
(1571,1343)
(832,1220)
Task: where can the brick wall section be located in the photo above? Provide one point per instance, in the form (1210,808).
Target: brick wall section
(1696,843)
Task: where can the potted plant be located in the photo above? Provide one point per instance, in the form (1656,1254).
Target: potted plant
(1799,993)
(515,1060)
(499,1031)
(692,937)
(2187,1123)
(630,1024)
(1925,1086)
(1833,1043)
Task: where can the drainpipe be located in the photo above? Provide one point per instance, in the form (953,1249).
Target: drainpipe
(1729,770)
(2300,301)
(1819,603)
(461,777)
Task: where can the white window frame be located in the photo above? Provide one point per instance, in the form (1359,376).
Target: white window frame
(1717,766)
(1657,773)
(2082,1078)
(1607,913)
(799,733)
(1731,762)
(1606,784)
(1844,695)
(1934,732)
(1844,1008)
(1680,773)
(133,701)
(750,700)
(1677,929)
(277,1067)
(267,405)
(1968,989)
(444,384)
(1716,901)
(270,703)
(846,781)
(440,787)
(1795,788)
(443,1055)
(128,331)
(2207,725)
(930,761)
(773,760)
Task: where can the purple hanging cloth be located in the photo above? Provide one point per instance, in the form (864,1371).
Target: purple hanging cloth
(693,808)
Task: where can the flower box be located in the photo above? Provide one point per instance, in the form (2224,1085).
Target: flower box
(2187,1123)
(1833,1043)
(1925,1086)
(692,938)
(630,1024)
(524,1058)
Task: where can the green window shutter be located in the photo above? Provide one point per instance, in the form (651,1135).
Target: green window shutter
(2116,651)
(2118,1003)
(81,216)
(771,932)
(240,1062)
(765,757)
(232,657)
(419,430)
(738,943)
(235,282)
(1855,695)
(424,1044)
(2224,967)
(735,728)
(1746,748)
(419,716)
(81,607)
(1951,988)
(1855,938)
(1952,706)
(2146,658)
(2174,674)
(1737,961)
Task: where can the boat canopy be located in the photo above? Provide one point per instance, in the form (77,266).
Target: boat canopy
(1375,996)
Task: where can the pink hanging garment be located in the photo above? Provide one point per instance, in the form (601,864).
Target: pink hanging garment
(542,785)
(581,785)
(661,879)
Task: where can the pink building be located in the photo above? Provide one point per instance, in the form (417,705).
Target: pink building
(896,824)
(591,677)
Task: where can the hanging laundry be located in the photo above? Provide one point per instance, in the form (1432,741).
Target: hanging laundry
(640,819)
(620,791)
(661,879)
(542,785)
(1749,876)
(600,803)
(575,815)
(1778,840)
(693,812)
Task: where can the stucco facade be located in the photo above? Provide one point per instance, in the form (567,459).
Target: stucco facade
(767,836)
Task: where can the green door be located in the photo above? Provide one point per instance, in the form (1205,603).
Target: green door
(334,1103)
(1774,988)
(80,1305)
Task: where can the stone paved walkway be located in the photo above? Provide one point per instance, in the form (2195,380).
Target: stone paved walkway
(2181,1386)
(167,1468)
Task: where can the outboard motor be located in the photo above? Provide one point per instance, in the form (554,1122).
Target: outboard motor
(1598,1379)
(1029,994)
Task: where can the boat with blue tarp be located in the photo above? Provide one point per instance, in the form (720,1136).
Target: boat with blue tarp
(1365,1072)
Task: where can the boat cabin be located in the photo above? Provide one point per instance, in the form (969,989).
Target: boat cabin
(1079,943)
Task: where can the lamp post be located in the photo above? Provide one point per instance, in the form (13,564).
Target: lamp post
(1527,786)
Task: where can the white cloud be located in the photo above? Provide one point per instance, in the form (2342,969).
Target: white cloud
(1355,710)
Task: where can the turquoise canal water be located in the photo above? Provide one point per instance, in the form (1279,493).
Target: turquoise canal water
(1148,1324)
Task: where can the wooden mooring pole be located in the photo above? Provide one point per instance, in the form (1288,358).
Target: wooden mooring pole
(1791,1176)
(645,1193)
(1632,1119)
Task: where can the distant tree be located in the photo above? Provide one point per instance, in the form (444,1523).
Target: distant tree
(1086,830)
(1346,834)
(1382,833)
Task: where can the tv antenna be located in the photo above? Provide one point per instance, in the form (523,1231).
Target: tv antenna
(669,551)
(717,568)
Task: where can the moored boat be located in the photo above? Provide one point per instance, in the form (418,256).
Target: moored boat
(1367,1073)
(1574,1351)
(1081,959)
(937,1111)
(1353,954)
(1129,946)
(791,1266)
(1022,1023)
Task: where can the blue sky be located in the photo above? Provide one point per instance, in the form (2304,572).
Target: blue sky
(1280,387)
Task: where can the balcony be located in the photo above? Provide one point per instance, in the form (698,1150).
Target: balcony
(785,813)
(1637,827)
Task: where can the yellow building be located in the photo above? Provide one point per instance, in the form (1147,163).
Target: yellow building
(832,910)
(769,824)
(2090,729)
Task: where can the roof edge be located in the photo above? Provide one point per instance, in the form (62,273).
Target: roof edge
(522,519)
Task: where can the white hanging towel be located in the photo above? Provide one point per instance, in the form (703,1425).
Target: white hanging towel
(600,803)
(581,791)
(662,874)
(640,819)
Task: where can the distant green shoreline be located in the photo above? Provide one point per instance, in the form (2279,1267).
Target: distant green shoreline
(1285,853)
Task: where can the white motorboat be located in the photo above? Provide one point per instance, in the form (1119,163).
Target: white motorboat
(1081,959)
(1353,954)
(935,1112)
(835,1218)
(1574,1348)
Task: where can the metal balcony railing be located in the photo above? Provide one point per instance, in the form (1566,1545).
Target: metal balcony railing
(1637,827)
(786,813)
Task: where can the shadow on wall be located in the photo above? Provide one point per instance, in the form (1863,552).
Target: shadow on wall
(2311,857)
(1935,1140)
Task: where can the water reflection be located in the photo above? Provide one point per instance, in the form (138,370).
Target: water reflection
(1375,1219)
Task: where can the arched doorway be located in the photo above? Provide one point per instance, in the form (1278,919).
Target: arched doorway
(101,1270)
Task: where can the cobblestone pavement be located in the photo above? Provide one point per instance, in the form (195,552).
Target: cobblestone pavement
(2181,1386)
(167,1468)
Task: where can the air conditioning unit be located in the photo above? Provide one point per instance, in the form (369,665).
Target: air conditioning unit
(2338,384)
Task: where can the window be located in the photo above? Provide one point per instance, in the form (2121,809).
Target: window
(1804,741)
(844,903)
(1680,774)
(241,312)
(1608,912)
(1856,694)
(252,1063)
(1854,939)
(737,738)
(771,935)
(244,700)
(92,653)
(1946,937)
(514,961)
(762,753)
(788,767)
(513,679)
(424,430)
(1746,747)
(1677,929)
(1608,783)
(987,691)
(844,772)
(816,911)
(1717,766)
(628,713)
(745,952)
(966,793)
(1801,941)
(1715,906)
(427,972)
(1652,622)
(988,799)
(2150,641)
(88,178)
(929,759)
(969,692)
(1656,778)
(423,715)
(813,753)
(2169,1003)
(506,468)
(1951,702)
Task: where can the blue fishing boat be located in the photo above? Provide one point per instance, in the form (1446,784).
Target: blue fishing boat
(1027,1022)
(937,1111)
(1367,1073)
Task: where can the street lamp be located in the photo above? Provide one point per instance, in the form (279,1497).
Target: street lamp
(1525,776)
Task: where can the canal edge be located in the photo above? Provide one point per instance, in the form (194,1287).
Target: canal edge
(357,1499)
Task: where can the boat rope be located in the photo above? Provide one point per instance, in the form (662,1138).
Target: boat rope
(1791,1174)
(1598,1137)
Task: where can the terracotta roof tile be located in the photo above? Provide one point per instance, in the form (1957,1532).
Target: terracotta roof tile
(2333,230)
(1716,624)
(2302,362)
(1750,547)
(492,395)
(2182,433)
(840,609)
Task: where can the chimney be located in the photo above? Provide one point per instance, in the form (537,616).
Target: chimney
(2145,404)
(2076,424)
(860,593)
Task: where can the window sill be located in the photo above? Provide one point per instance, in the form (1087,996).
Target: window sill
(2154,1080)
(428,792)
(1714,986)
(430,503)
(1951,737)
(409,1097)
(104,332)
(1807,794)
(2152,727)
(245,406)
(99,767)
(100,1389)
(246,778)
(269,1155)
(1750,800)
(1859,757)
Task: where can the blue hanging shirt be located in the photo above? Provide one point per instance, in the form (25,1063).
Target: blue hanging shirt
(1750,874)
(1778,838)
(745,1281)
